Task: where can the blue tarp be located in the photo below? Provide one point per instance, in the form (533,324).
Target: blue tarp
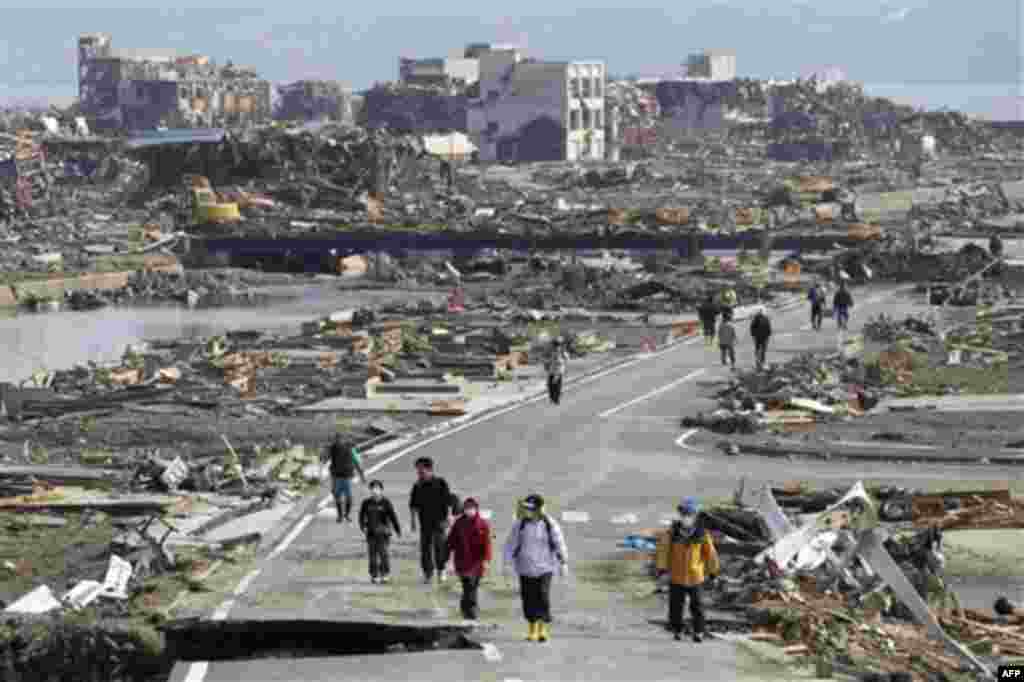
(794,120)
(639,543)
(157,138)
(8,169)
(80,168)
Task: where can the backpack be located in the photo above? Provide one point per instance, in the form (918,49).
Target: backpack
(551,537)
(346,465)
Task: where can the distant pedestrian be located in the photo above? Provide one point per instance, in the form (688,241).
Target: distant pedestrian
(842,302)
(469,545)
(557,362)
(995,246)
(536,549)
(447,177)
(729,301)
(376,519)
(686,558)
(760,331)
(431,503)
(727,342)
(817,298)
(708,313)
(345,463)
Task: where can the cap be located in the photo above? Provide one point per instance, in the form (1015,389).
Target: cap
(689,505)
(533,502)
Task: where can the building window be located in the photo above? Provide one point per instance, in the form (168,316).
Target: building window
(599,119)
(587,119)
(492,127)
(587,88)
(574,87)
(574,119)
(597,87)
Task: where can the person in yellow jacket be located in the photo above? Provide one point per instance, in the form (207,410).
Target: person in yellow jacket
(686,558)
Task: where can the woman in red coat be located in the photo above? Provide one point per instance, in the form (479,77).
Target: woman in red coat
(469,546)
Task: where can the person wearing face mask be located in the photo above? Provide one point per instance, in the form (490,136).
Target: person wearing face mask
(536,549)
(469,546)
(686,557)
(376,519)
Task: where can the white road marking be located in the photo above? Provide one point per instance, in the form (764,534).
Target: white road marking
(246,581)
(667,520)
(290,538)
(491,653)
(575,516)
(650,394)
(626,519)
(223,610)
(197,671)
(681,441)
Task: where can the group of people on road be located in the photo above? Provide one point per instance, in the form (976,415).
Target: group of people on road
(760,325)
(725,332)
(454,533)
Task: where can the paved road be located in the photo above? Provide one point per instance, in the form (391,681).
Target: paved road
(610,450)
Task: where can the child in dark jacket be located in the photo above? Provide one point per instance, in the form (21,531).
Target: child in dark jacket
(376,519)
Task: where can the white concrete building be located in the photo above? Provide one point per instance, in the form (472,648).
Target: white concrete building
(531,110)
(443,71)
(714,65)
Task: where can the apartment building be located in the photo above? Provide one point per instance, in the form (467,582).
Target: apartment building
(534,110)
(140,89)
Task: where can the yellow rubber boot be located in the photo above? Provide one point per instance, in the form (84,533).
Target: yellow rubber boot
(534,632)
(544,631)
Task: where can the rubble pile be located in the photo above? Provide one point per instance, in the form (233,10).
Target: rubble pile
(788,396)
(881,261)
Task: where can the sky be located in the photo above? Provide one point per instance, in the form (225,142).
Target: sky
(961,55)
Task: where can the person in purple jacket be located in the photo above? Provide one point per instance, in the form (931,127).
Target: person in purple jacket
(536,549)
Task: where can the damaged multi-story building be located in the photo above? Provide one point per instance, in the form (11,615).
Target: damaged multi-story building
(315,101)
(712,65)
(534,110)
(513,108)
(132,89)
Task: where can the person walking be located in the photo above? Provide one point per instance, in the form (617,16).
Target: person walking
(536,548)
(760,331)
(727,342)
(817,298)
(469,546)
(345,463)
(376,519)
(557,362)
(729,301)
(708,313)
(685,558)
(842,302)
(431,504)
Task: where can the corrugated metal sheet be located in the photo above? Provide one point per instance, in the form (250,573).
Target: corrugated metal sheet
(168,137)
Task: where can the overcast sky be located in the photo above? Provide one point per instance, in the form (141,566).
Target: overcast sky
(963,55)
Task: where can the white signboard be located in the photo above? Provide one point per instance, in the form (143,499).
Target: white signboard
(118,573)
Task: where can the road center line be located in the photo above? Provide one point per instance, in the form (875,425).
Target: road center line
(667,387)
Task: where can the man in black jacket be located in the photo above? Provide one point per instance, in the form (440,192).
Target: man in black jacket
(431,503)
(376,519)
(841,304)
(708,313)
(760,331)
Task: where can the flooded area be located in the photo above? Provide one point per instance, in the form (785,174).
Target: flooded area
(58,340)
